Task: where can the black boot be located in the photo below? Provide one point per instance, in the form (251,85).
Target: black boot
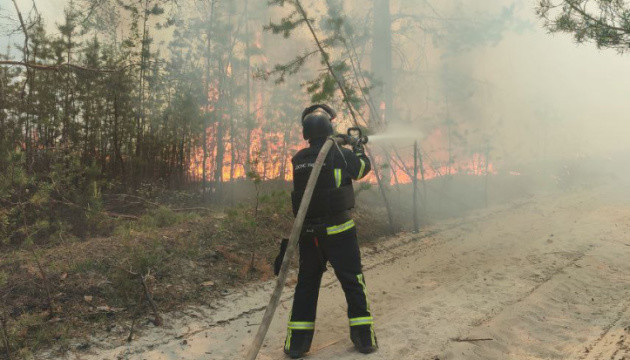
(363,338)
(298,343)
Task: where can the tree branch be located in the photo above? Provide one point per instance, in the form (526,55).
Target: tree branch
(25,50)
(592,18)
(24,30)
(31,65)
(326,59)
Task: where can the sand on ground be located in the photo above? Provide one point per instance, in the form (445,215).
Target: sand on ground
(547,277)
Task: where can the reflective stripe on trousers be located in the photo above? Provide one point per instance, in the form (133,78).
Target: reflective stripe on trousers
(365,320)
(297,325)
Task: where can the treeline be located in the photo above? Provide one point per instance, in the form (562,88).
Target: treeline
(126,95)
(136,110)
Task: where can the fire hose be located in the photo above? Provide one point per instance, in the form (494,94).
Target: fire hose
(295,235)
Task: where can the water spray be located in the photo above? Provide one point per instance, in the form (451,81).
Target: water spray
(409,134)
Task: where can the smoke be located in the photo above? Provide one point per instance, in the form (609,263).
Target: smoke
(491,69)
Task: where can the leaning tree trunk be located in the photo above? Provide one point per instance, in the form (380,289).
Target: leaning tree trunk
(326,60)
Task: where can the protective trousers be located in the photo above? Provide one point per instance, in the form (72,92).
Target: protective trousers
(337,245)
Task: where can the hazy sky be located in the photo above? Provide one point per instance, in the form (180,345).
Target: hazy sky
(52,10)
(529,72)
(588,89)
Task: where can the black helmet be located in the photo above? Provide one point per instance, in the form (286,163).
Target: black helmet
(316,121)
(316,125)
(324,107)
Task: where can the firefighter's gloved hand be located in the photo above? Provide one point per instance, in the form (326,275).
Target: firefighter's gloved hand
(358,148)
(278,262)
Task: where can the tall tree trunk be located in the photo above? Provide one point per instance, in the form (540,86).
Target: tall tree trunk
(416,226)
(248,116)
(285,154)
(117,144)
(220,153)
(487,169)
(220,134)
(424,185)
(450,151)
(206,88)
(143,66)
(232,134)
(382,60)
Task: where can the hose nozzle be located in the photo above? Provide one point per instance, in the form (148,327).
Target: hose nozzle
(357,134)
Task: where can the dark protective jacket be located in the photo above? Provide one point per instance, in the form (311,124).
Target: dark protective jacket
(333,195)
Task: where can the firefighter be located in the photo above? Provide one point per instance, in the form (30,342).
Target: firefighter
(329,234)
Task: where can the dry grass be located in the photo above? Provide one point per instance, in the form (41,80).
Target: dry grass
(189,259)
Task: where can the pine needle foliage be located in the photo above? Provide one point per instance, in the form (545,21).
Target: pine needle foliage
(603,22)
(333,41)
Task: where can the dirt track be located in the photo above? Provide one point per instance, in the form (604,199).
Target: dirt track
(542,278)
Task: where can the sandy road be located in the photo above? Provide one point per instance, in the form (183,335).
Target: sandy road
(542,278)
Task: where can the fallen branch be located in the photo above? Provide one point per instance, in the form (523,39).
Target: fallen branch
(470,340)
(135,197)
(108,213)
(192,209)
(158,321)
(124,216)
(147,295)
(158,204)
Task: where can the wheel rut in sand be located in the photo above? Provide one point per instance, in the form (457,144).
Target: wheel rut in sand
(614,342)
(581,312)
(530,293)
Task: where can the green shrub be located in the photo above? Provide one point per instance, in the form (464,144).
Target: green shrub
(160,217)
(61,195)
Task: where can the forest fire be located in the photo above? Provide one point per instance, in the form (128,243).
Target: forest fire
(270,158)
(266,153)
(272,151)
